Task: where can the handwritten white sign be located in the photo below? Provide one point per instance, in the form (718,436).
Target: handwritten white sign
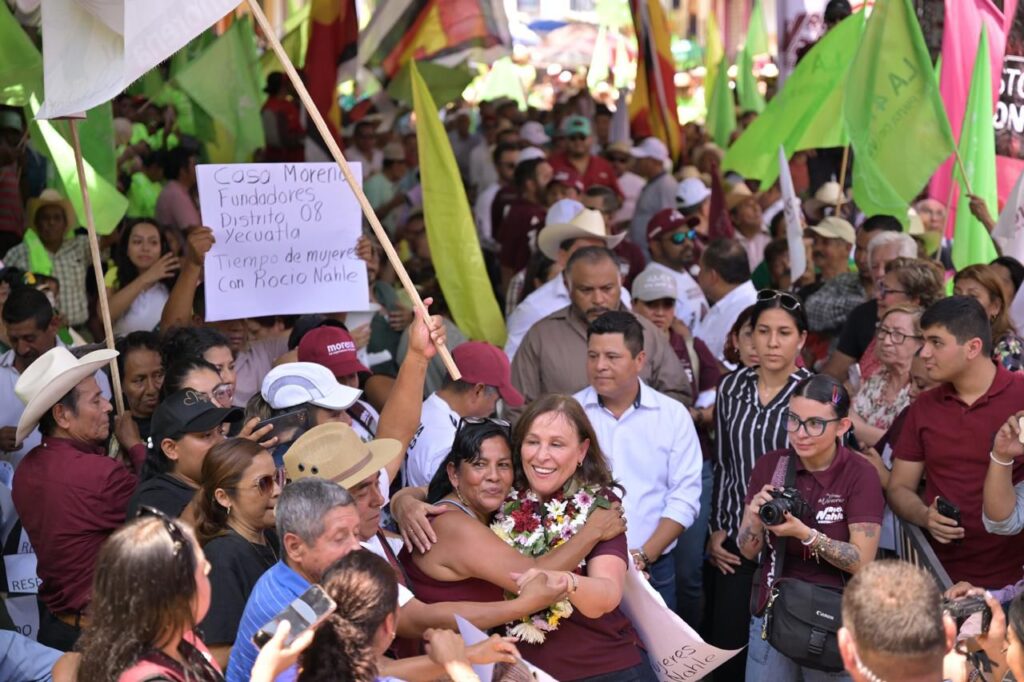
(676,651)
(286,240)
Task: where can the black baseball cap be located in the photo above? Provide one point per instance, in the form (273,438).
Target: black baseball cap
(189,411)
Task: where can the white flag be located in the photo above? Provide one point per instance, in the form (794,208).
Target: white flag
(794,225)
(1008,233)
(94,49)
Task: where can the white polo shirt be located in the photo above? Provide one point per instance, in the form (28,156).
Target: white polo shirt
(691,304)
(654,453)
(432,442)
(713,330)
(11,407)
(551,296)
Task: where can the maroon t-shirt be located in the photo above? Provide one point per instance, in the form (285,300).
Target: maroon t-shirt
(954,440)
(599,171)
(848,491)
(518,235)
(505,197)
(710,375)
(584,647)
(632,261)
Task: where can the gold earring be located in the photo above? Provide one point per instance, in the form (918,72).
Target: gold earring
(461,498)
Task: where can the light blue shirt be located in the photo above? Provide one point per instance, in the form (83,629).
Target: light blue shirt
(275,589)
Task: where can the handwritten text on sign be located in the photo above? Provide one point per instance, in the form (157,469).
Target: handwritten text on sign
(286,240)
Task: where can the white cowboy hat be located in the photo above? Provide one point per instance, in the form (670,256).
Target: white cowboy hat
(587,224)
(50,378)
(334,452)
(50,197)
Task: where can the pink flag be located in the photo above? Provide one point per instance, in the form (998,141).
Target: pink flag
(963,22)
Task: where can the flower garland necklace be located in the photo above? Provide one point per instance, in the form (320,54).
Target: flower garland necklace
(534,528)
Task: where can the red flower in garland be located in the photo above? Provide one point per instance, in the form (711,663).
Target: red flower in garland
(525,520)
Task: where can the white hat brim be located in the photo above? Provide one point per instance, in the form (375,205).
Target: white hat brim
(341,398)
(58,387)
(551,237)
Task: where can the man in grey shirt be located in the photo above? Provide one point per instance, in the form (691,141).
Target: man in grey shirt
(652,162)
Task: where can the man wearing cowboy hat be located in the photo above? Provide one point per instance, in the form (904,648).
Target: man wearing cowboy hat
(69,494)
(552,357)
(50,247)
(747,218)
(570,228)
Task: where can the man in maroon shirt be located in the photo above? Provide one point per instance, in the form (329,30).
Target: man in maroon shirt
(594,170)
(947,438)
(524,218)
(69,494)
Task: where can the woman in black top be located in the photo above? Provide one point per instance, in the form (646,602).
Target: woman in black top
(235,525)
(750,420)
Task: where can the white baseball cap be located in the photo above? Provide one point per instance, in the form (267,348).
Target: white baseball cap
(529,154)
(691,192)
(296,383)
(650,148)
(533,132)
(654,285)
(562,211)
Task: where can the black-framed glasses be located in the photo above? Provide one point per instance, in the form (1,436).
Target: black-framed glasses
(896,335)
(478,421)
(786,299)
(681,237)
(813,426)
(884,291)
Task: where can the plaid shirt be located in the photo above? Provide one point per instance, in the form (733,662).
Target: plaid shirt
(828,307)
(70,265)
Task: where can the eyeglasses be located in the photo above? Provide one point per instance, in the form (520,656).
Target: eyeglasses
(478,421)
(180,545)
(265,484)
(786,300)
(680,237)
(896,335)
(884,291)
(576,138)
(222,394)
(813,426)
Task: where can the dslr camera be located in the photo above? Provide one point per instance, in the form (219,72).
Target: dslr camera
(784,500)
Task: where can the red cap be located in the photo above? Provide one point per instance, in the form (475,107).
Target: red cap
(569,178)
(668,221)
(333,348)
(482,363)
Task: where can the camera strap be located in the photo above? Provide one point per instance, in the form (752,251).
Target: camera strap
(787,464)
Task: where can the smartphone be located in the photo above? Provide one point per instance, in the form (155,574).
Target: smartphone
(308,611)
(283,422)
(950,511)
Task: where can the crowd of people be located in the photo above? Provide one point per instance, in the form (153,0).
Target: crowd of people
(670,401)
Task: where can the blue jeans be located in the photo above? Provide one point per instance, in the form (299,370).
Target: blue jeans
(689,556)
(663,579)
(764,662)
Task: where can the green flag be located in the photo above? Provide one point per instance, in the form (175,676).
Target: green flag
(722,110)
(746,83)
(21,66)
(714,54)
(233,103)
(893,113)
(108,205)
(458,260)
(806,113)
(972,243)
(757,34)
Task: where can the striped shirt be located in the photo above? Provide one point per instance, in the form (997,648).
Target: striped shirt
(745,430)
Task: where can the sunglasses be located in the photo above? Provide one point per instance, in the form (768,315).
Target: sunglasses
(576,138)
(180,545)
(680,237)
(479,421)
(265,484)
(786,300)
(618,159)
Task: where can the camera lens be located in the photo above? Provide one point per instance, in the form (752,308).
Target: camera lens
(773,513)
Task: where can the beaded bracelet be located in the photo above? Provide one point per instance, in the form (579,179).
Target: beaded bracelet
(992,456)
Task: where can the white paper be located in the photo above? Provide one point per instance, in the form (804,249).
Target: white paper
(24,611)
(800,23)
(285,240)
(21,574)
(96,48)
(471,635)
(676,651)
(794,225)
(1009,230)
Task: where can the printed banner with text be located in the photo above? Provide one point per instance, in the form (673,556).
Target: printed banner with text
(286,240)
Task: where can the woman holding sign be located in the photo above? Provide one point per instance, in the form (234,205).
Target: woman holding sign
(139,283)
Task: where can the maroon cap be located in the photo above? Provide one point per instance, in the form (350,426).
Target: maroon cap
(333,348)
(569,178)
(669,220)
(482,363)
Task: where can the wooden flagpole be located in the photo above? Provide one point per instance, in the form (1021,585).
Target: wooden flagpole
(94,249)
(332,145)
(842,180)
(963,171)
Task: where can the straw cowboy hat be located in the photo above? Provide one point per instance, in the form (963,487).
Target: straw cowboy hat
(587,224)
(827,196)
(50,378)
(737,195)
(931,241)
(334,452)
(51,197)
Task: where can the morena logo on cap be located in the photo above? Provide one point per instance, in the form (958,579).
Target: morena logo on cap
(341,347)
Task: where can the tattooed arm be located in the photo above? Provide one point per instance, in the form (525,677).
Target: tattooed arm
(750,539)
(853,555)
